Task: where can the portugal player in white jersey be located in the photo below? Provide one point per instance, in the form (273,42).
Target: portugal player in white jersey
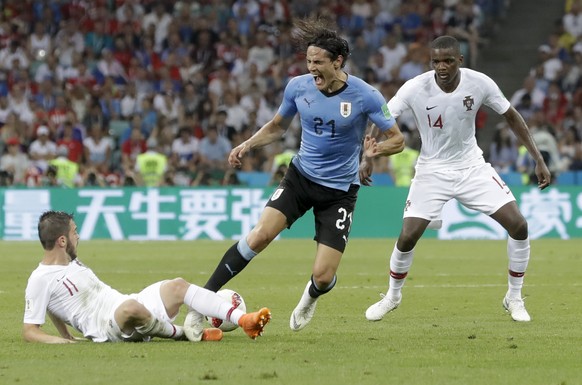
(444,103)
(71,294)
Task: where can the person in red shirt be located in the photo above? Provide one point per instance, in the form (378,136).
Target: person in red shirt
(73,144)
(131,148)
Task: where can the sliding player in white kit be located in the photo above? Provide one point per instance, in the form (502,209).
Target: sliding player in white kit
(444,103)
(71,294)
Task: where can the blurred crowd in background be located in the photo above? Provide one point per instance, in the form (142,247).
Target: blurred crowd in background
(156,93)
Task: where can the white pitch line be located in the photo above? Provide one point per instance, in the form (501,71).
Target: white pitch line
(469,286)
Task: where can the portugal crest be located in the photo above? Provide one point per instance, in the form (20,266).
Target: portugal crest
(468,102)
(345,109)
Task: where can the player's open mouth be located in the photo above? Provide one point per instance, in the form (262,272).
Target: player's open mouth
(318,80)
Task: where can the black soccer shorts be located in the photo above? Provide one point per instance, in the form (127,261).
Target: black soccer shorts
(333,209)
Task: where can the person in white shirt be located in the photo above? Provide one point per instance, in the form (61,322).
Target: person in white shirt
(445,102)
(70,293)
(42,149)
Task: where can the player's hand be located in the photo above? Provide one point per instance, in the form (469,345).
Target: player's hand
(234,158)
(370,147)
(365,172)
(543,174)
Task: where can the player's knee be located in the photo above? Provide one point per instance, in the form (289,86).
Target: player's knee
(258,239)
(131,311)
(323,278)
(176,286)
(519,229)
(406,241)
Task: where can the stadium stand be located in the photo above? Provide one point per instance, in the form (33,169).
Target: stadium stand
(130,76)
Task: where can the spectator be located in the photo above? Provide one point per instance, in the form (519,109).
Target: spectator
(42,150)
(98,39)
(415,64)
(261,53)
(151,166)
(71,142)
(18,103)
(161,20)
(503,151)
(130,103)
(131,148)
(359,55)
(394,53)
(572,20)
(568,145)
(401,166)
(12,55)
(39,42)
(237,115)
(545,141)
(67,171)
(109,66)
(550,65)
(185,151)
(529,87)
(14,162)
(214,150)
(98,149)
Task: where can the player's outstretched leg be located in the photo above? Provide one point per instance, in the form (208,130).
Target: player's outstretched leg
(254,323)
(378,310)
(304,311)
(516,308)
(194,328)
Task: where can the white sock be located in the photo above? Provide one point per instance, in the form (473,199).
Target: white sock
(518,253)
(210,304)
(158,328)
(399,266)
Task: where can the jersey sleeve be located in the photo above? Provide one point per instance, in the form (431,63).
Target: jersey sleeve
(36,301)
(378,111)
(399,102)
(288,107)
(494,98)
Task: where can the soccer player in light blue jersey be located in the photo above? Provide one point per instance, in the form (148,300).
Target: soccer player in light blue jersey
(334,109)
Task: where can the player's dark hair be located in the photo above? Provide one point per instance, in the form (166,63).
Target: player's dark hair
(51,226)
(317,31)
(446,42)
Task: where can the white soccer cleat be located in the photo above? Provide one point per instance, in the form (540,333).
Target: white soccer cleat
(304,311)
(378,310)
(516,308)
(194,326)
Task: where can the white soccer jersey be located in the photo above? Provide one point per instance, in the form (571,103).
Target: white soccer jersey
(74,294)
(446,121)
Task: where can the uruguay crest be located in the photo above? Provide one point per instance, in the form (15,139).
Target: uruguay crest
(345,109)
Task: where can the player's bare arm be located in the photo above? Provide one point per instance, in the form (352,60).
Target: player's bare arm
(61,327)
(392,143)
(33,333)
(521,131)
(270,132)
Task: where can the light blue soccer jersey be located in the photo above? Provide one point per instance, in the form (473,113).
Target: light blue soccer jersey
(333,127)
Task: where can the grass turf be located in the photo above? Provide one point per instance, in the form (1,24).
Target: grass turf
(449,329)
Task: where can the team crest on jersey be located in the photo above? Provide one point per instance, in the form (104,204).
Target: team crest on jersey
(345,109)
(468,102)
(276,194)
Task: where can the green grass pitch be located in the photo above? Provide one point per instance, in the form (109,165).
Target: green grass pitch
(449,329)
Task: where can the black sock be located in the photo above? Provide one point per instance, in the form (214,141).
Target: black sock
(314,292)
(231,264)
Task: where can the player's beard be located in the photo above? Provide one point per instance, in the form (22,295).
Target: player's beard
(71,250)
